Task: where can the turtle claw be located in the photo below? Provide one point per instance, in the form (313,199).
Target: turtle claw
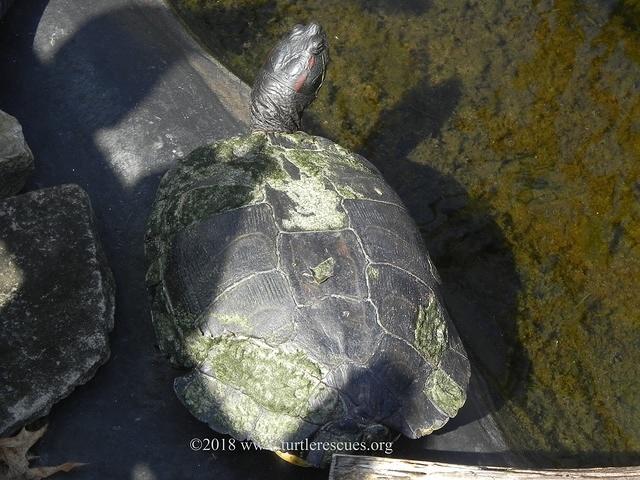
(293,459)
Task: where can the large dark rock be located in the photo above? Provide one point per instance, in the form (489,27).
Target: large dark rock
(56,301)
(16,159)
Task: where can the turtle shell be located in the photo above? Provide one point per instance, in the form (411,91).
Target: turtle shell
(291,281)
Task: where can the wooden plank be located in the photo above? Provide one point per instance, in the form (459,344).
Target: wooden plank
(351,467)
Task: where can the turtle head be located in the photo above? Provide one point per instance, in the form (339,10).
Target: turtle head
(289,80)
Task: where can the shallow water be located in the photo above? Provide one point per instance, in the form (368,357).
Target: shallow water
(511,129)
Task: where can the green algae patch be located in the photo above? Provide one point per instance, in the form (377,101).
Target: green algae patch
(345,191)
(229,411)
(324,270)
(317,155)
(431,336)
(373,272)
(445,394)
(223,409)
(279,381)
(313,205)
(313,202)
(248,389)
(195,347)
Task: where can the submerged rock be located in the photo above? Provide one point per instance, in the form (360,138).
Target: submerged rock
(56,301)
(16,159)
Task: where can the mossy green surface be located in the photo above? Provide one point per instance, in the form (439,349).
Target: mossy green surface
(544,135)
(251,390)
(260,371)
(324,270)
(444,392)
(431,331)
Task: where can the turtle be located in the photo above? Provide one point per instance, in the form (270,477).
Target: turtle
(291,284)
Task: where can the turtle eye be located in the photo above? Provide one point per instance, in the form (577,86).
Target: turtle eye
(317,46)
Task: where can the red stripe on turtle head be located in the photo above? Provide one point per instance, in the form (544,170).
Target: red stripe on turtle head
(300,81)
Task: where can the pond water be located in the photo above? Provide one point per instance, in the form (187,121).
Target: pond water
(511,129)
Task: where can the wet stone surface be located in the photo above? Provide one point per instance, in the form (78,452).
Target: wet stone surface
(56,301)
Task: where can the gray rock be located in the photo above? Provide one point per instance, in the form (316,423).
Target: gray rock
(56,301)
(16,159)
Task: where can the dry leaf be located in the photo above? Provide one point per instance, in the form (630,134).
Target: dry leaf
(14,457)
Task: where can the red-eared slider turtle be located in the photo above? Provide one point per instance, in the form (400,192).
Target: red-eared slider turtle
(287,276)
